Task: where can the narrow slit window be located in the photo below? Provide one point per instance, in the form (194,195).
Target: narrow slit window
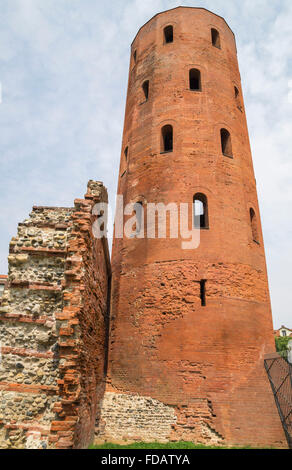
(135,56)
(145,87)
(237,98)
(168,34)
(126,153)
(195,79)
(226,143)
(215,38)
(254,226)
(200,211)
(167,138)
(203,292)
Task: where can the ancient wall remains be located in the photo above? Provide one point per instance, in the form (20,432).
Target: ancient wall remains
(53,324)
(189,328)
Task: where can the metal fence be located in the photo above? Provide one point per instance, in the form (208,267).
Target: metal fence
(279,370)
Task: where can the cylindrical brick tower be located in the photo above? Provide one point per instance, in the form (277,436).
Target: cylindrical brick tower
(189,327)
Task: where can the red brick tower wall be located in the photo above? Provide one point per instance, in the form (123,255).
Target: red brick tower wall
(204,364)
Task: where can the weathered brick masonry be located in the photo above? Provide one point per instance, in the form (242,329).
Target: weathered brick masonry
(199,365)
(53,324)
(188,328)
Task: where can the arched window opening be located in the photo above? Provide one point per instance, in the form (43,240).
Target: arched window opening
(135,56)
(145,87)
(195,79)
(126,153)
(254,226)
(226,143)
(168,34)
(167,138)
(200,211)
(138,208)
(215,38)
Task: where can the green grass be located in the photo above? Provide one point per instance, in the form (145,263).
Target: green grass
(159,445)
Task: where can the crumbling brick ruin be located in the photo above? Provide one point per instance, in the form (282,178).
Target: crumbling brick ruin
(53,325)
(178,354)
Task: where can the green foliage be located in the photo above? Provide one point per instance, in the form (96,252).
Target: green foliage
(282,343)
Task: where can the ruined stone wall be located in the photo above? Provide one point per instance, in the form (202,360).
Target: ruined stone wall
(53,321)
(130,417)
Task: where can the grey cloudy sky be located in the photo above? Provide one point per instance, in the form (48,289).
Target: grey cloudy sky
(64,70)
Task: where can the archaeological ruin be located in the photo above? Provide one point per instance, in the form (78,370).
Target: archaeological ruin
(162,343)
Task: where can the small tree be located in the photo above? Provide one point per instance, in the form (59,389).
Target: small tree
(282,343)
